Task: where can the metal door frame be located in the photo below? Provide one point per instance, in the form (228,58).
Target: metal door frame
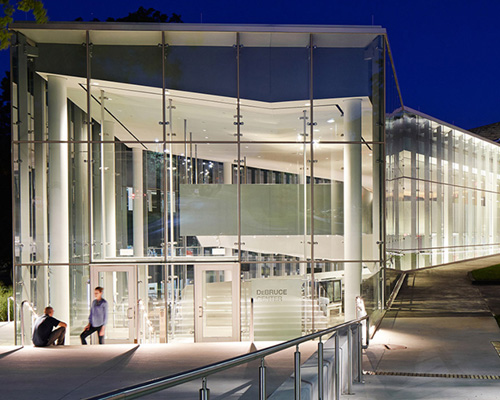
(132,289)
(235,286)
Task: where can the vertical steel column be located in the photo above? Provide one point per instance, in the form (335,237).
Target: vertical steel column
(297,373)
(164,145)
(238,138)
(171,178)
(311,137)
(204,391)
(190,157)
(320,370)
(349,361)
(89,148)
(164,180)
(238,180)
(336,392)
(14,40)
(383,175)
(262,381)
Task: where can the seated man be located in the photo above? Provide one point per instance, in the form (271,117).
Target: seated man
(43,333)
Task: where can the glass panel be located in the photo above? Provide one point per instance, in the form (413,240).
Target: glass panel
(152,316)
(128,153)
(200,75)
(329,196)
(274,97)
(347,68)
(217,304)
(203,213)
(180,300)
(116,293)
(275,201)
(81,296)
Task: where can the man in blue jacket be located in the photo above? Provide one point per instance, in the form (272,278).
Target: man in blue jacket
(98,317)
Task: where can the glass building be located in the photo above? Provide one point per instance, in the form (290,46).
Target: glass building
(443,193)
(222,183)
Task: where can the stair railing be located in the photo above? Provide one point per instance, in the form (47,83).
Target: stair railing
(351,329)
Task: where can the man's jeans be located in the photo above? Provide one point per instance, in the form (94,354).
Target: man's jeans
(57,334)
(89,332)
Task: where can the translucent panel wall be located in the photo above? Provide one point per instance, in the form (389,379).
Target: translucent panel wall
(442,193)
(187,154)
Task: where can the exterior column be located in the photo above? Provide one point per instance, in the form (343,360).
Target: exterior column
(228,173)
(138,212)
(58,193)
(82,245)
(109,192)
(23,127)
(352,206)
(41,232)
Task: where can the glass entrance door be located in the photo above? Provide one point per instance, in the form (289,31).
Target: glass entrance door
(217,303)
(119,285)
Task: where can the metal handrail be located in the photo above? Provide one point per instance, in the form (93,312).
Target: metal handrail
(156,385)
(9,299)
(30,307)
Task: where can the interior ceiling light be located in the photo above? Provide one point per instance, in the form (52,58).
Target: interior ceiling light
(330,121)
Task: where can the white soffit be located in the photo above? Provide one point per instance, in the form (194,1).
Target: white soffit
(199,38)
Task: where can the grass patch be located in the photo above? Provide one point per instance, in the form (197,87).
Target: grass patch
(487,274)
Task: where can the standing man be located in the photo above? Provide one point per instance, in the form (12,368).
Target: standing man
(98,317)
(43,333)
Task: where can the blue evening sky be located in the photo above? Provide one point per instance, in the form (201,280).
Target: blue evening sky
(446,52)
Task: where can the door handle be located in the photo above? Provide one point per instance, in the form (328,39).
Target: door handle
(200,311)
(130,313)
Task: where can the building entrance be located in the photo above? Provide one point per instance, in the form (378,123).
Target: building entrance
(119,283)
(217,300)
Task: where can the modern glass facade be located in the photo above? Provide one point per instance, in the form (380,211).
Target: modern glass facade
(220,182)
(443,194)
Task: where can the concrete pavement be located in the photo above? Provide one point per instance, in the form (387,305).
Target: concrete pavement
(75,372)
(439,324)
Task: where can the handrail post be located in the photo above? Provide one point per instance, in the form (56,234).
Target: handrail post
(349,360)
(9,299)
(21,317)
(252,333)
(137,321)
(297,373)
(262,381)
(320,370)
(360,351)
(367,326)
(204,391)
(336,392)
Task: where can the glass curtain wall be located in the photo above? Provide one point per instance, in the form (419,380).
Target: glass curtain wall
(218,165)
(443,193)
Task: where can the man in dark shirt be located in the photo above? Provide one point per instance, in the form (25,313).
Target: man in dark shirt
(43,333)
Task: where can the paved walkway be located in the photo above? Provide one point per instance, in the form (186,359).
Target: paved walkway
(439,324)
(76,372)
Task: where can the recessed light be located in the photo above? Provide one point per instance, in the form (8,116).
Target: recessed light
(330,121)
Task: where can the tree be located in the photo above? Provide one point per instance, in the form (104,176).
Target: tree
(144,15)
(9,7)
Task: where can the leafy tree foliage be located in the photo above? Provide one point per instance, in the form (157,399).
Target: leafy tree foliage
(144,15)
(9,7)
